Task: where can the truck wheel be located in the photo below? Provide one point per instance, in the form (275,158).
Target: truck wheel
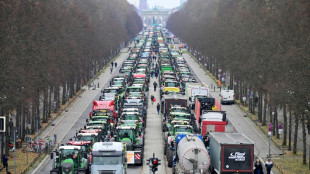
(165,148)
(169,157)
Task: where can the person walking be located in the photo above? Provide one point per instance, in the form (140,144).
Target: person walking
(156,74)
(155,85)
(111,70)
(158,108)
(152,99)
(152,73)
(5,162)
(112,64)
(258,167)
(115,64)
(269,165)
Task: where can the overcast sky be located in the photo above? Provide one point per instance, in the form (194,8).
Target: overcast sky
(164,3)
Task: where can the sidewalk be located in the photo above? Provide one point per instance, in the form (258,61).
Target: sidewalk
(153,132)
(63,124)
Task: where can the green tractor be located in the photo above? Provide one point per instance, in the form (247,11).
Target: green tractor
(133,118)
(173,117)
(130,135)
(70,160)
(170,138)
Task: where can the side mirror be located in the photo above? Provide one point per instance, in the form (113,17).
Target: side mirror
(52,155)
(84,127)
(87,120)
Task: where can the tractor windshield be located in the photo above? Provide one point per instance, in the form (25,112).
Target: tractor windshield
(104,160)
(129,117)
(86,138)
(171,84)
(183,129)
(110,90)
(99,118)
(125,133)
(69,153)
(134,89)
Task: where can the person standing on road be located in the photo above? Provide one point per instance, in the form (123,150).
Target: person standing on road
(158,108)
(152,73)
(258,167)
(115,64)
(111,70)
(155,85)
(269,165)
(112,64)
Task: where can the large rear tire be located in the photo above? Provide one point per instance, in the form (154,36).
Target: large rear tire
(169,157)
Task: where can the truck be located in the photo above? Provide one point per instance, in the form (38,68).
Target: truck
(230,153)
(70,160)
(170,100)
(108,157)
(214,121)
(191,155)
(104,107)
(193,89)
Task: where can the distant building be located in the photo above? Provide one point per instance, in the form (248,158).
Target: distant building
(143,5)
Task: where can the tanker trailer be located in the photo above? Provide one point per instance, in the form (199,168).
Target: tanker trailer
(192,157)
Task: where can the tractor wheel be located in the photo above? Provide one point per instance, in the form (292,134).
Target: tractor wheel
(169,156)
(165,148)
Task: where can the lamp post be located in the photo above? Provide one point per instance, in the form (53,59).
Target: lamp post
(269,135)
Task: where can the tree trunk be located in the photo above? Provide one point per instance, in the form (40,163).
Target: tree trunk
(276,122)
(265,110)
(18,116)
(64,93)
(270,114)
(304,140)
(33,116)
(49,102)
(284,125)
(45,104)
(259,107)
(290,130)
(295,135)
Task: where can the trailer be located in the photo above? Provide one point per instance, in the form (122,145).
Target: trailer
(214,121)
(191,156)
(230,153)
(193,89)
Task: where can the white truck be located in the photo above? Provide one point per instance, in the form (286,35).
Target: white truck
(193,89)
(108,157)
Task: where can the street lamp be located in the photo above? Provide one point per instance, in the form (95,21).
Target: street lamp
(269,135)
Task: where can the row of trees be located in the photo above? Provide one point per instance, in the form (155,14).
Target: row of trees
(50,48)
(264,48)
